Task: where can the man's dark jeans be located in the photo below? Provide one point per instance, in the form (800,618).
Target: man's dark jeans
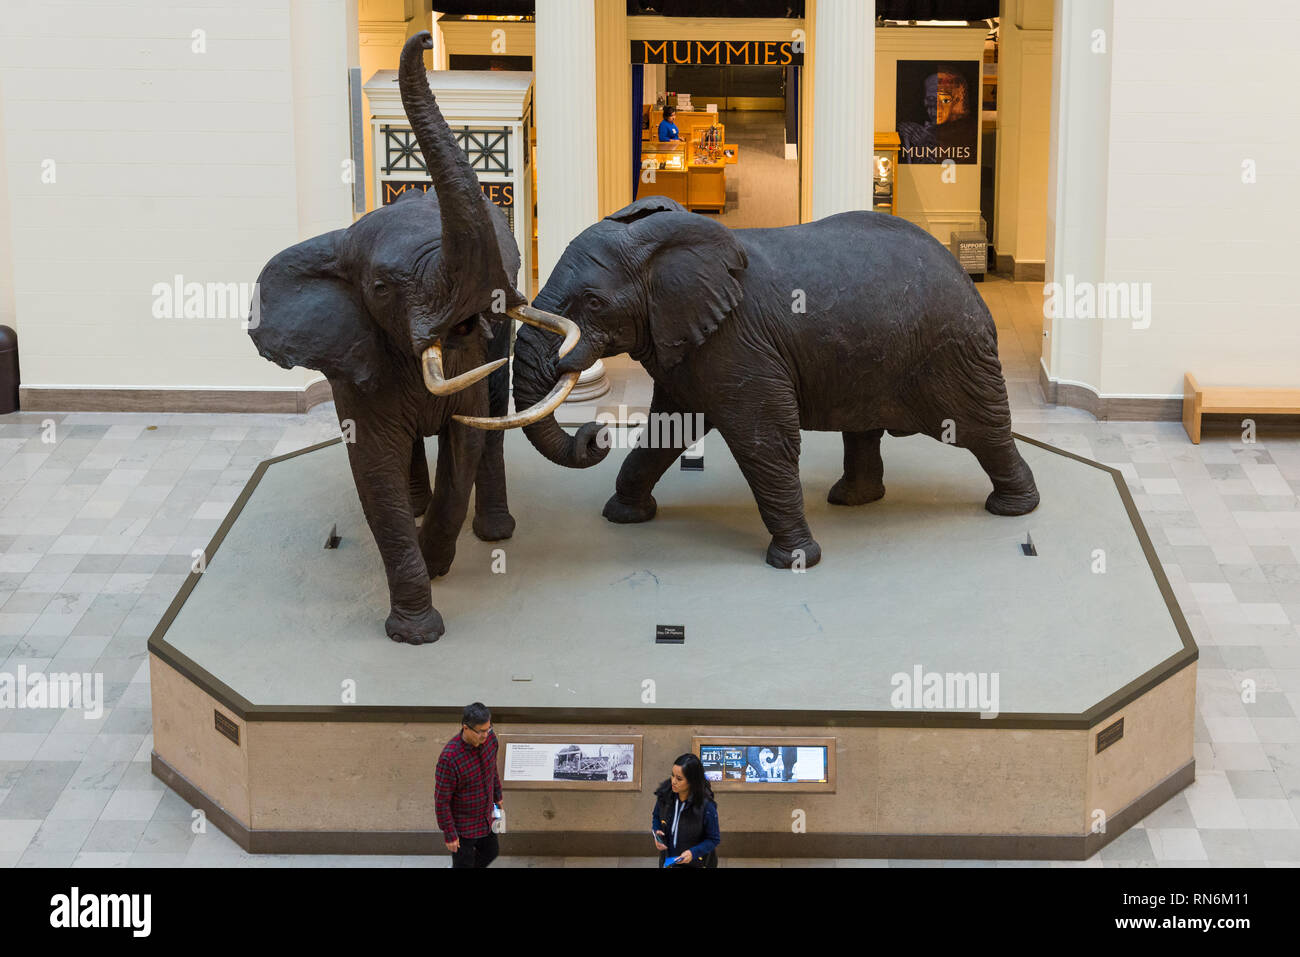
(476,851)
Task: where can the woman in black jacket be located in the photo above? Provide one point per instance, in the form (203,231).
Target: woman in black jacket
(685,817)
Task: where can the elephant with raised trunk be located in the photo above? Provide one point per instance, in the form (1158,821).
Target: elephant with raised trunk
(405,312)
(857,323)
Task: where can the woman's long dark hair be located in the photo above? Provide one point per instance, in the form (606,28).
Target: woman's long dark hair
(693,771)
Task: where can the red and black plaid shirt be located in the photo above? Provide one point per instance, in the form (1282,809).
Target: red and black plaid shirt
(465,786)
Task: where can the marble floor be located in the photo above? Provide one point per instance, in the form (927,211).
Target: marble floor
(99,514)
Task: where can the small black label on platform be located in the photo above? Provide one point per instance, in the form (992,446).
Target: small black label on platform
(670,634)
(1108,736)
(226,726)
(692,463)
(332,540)
(1028,545)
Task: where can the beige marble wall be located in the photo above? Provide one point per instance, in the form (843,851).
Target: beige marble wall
(378,776)
(1024,119)
(1158,733)
(185,736)
(372,776)
(958,781)
(334,776)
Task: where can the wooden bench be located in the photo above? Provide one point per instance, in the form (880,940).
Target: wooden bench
(1234,401)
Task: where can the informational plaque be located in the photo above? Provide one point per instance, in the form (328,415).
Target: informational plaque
(768,763)
(600,762)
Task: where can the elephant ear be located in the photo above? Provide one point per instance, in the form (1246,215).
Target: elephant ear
(695,266)
(510,259)
(308,314)
(646,206)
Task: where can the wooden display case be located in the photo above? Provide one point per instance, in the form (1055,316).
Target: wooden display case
(707,184)
(664,171)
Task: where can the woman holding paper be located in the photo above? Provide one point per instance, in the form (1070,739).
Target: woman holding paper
(684,823)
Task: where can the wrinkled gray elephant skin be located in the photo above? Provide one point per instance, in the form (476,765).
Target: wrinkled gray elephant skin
(858,323)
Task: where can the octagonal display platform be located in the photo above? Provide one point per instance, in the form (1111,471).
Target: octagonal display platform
(331,731)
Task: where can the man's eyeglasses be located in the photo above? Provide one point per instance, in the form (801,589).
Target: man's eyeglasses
(486,730)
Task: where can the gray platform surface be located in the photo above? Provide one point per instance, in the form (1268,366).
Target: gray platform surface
(924,577)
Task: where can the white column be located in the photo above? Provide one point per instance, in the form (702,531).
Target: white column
(7,311)
(1024,135)
(1077,173)
(564,67)
(844,72)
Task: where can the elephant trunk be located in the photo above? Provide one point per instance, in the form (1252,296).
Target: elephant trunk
(536,356)
(471,266)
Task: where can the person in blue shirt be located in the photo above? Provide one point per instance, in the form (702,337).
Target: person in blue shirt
(668,131)
(685,817)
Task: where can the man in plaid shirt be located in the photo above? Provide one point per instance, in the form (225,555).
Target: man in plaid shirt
(466,786)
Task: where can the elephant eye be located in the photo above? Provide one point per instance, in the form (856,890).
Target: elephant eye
(379,288)
(593,302)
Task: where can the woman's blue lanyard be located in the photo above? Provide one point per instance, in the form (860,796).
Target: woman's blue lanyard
(677,813)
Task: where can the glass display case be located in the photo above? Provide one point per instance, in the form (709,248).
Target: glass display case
(884,173)
(707,189)
(664,156)
(663,170)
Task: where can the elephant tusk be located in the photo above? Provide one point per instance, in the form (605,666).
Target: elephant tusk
(559,392)
(438,384)
(551,323)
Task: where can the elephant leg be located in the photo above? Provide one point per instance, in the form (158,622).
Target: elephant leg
(420,494)
(492,519)
(381,465)
(460,448)
(864,472)
(645,465)
(768,457)
(1014,491)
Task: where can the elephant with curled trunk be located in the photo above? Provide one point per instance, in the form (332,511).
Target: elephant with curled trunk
(858,323)
(405,312)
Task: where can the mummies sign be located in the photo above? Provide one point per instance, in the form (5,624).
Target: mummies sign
(938,111)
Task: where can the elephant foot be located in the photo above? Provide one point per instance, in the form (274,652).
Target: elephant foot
(1016,497)
(1017,502)
(423,629)
(494,526)
(438,558)
(624,513)
(844,492)
(804,555)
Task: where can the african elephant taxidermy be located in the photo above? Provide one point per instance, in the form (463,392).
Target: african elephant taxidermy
(405,312)
(858,323)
